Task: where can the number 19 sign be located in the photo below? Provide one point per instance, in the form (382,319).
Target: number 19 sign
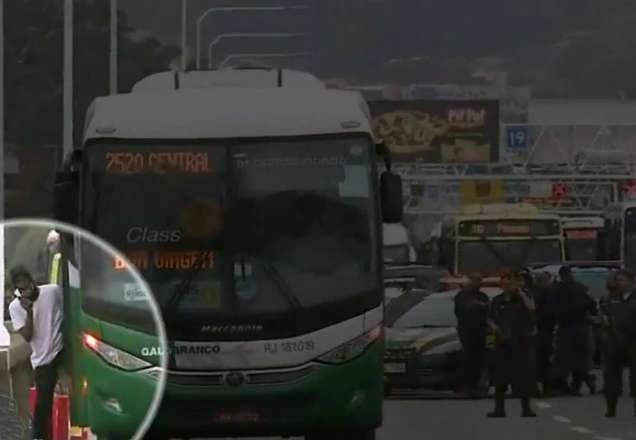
(517,137)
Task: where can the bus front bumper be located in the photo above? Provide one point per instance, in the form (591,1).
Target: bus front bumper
(327,398)
(120,402)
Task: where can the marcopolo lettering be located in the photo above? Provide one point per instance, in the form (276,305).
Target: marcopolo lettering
(238,328)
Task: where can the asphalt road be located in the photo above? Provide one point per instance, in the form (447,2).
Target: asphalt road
(563,418)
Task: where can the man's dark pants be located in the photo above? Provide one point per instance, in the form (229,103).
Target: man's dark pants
(45,380)
(473,356)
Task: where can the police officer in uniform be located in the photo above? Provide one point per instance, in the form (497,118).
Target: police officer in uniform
(574,306)
(471,310)
(543,294)
(619,339)
(512,320)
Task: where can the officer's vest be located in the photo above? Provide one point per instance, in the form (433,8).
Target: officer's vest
(54,274)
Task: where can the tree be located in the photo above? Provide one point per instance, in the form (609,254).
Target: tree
(34,38)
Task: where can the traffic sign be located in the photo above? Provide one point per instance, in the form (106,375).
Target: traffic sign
(517,137)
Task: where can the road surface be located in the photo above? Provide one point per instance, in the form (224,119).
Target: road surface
(563,418)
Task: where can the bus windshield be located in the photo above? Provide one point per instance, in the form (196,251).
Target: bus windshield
(582,244)
(487,256)
(288,228)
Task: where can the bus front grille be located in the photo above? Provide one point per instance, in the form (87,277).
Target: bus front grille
(196,379)
(278,377)
(252,378)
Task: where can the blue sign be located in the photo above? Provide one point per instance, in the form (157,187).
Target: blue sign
(517,137)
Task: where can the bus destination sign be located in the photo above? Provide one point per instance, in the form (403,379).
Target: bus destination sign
(158,162)
(508,228)
(581,234)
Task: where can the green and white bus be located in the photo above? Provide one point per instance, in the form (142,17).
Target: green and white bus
(254,212)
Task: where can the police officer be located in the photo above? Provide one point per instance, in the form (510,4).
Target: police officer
(512,320)
(619,339)
(543,294)
(471,310)
(573,308)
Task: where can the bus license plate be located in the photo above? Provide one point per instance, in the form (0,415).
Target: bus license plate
(395,367)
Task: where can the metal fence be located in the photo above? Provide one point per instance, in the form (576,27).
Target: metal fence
(11,427)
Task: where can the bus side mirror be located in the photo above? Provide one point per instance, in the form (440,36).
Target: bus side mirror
(66,197)
(390,189)
(391,197)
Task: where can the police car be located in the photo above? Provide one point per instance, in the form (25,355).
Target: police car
(422,345)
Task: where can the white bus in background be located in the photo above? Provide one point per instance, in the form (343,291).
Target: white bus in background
(583,238)
(485,238)
(619,233)
(397,245)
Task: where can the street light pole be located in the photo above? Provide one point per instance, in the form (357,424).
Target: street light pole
(218,39)
(68,77)
(261,55)
(2,163)
(235,9)
(184,35)
(113,47)
(5,338)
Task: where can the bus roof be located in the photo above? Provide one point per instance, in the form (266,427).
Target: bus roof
(511,216)
(227,112)
(582,222)
(262,77)
(621,206)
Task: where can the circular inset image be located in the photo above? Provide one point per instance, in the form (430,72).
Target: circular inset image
(81,336)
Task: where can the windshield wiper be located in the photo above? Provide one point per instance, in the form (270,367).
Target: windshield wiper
(493,250)
(173,302)
(533,241)
(283,286)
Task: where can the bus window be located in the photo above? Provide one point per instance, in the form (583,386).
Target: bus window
(629,245)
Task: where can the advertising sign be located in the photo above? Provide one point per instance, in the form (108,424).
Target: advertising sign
(438,131)
(482,191)
(514,101)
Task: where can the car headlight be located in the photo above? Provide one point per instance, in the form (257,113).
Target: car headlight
(114,356)
(351,349)
(449,347)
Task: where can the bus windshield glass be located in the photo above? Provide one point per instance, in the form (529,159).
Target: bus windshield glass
(247,232)
(582,244)
(487,256)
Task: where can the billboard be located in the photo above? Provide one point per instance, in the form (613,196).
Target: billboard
(514,101)
(438,131)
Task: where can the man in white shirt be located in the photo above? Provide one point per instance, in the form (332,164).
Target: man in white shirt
(37,314)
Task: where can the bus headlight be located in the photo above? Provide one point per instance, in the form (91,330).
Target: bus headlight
(114,356)
(351,349)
